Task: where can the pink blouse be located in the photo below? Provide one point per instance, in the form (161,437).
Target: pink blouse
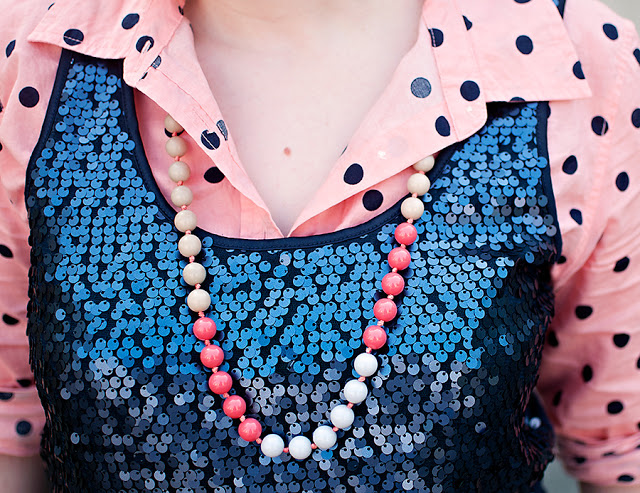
(468,53)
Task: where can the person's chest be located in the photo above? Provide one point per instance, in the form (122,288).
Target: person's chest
(292,114)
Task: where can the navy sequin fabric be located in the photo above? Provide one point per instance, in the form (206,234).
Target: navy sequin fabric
(117,367)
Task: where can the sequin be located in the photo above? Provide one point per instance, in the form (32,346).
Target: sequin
(117,364)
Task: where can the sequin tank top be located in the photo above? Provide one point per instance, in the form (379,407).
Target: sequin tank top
(125,396)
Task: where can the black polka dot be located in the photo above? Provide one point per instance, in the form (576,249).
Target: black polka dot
(5,251)
(420,87)
(615,407)
(9,320)
(636,53)
(638,364)
(635,118)
(130,20)
(576,215)
(577,70)
(580,460)
(517,99)
(556,398)
(622,181)
(29,97)
(354,174)
(142,41)
(570,165)
(468,24)
(611,31)
(621,340)
(25,382)
(23,427)
(5,396)
(599,125)
(214,175)
(621,265)
(470,90)
(222,126)
(587,373)
(625,478)
(9,49)
(73,37)
(583,311)
(180,9)
(169,134)
(552,339)
(442,126)
(437,37)
(372,200)
(210,139)
(156,63)
(522,1)
(562,260)
(524,44)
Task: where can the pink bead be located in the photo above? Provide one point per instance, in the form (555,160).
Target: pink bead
(220,382)
(212,356)
(406,233)
(385,309)
(393,283)
(250,430)
(234,406)
(374,337)
(204,328)
(399,258)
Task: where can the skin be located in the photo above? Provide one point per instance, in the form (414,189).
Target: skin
(335,65)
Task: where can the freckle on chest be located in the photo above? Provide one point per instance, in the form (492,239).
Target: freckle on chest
(287,151)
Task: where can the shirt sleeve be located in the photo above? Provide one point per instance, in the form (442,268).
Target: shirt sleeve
(27,72)
(590,374)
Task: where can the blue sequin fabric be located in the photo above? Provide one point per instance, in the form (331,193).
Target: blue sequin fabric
(116,364)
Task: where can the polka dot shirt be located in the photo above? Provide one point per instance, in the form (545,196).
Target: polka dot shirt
(468,54)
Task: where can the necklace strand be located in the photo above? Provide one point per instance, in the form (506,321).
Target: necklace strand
(204,328)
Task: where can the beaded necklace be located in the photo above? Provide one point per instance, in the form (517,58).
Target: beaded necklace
(204,328)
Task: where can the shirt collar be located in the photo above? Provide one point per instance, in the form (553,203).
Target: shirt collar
(472,52)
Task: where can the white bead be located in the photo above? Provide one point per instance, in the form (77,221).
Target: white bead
(185,221)
(300,447)
(342,416)
(365,364)
(181,195)
(418,183)
(355,391)
(198,300)
(176,146)
(324,437)
(194,273)
(189,245)
(425,164)
(412,208)
(272,445)
(179,171)
(171,125)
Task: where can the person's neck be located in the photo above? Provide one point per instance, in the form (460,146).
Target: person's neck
(250,24)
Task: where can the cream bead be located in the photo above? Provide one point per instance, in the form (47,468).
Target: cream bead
(171,125)
(198,300)
(418,183)
(300,447)
(272,445)
(194,273)
(355,391)
(179,171)
(185,221)
(176,146)
(189,246)
(181,195)
(425,164)
(412,208)
(342,416)
(324,437)
(365,364)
